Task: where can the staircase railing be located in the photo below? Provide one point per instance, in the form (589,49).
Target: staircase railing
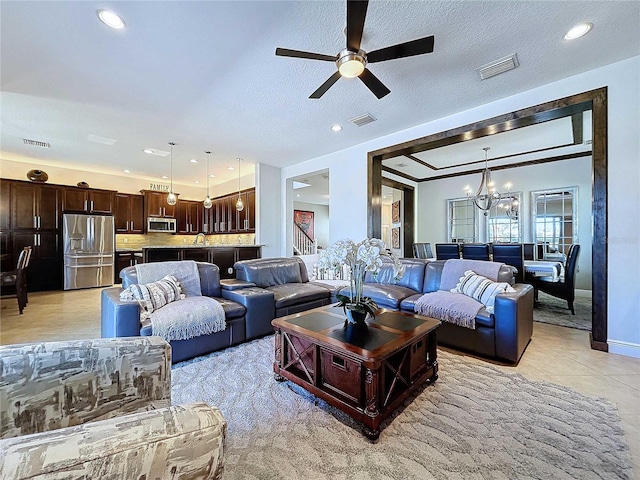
(303,244)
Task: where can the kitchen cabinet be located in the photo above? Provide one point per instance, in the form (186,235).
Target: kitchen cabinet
(45,266)
(35,206)
(155,205)
(223,217)
(246,219)
(89,200)
(125,259)
(224,256)
(5,206)
(129,213)
(189,217)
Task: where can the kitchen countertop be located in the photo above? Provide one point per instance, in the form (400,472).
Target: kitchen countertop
(190,245)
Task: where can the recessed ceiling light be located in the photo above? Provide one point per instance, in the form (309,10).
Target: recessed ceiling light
(211,176)
(127,171)
(336,128)
(164,176)
(230,168)
(196,181)
(111,19)
(156,152)
(193,160)
(578,31)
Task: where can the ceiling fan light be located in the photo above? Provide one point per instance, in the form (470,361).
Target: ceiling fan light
(351,64)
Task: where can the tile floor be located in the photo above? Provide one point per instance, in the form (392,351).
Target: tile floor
(555,354)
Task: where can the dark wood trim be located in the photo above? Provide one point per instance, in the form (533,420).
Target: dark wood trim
(400,174)
(595,100)
(421,162)
(577,126)
(602,346)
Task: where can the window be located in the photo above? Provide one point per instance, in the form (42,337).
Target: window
(462,225)
(504,221)
(554,220)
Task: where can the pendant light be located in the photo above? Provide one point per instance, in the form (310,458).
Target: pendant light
(207,201)
(171,198)
(486,196)
(239,203)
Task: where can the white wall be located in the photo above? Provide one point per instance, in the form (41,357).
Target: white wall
(269,224)
(348,181)
(320,220)
(433,196)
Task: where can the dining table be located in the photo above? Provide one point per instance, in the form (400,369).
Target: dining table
(544,268)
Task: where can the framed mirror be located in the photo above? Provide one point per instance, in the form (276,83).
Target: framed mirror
(554,222)
(462,221)
(504,220)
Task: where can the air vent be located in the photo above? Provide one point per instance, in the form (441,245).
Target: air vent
(401,165)
(499,66)
(363,119)
(36,143)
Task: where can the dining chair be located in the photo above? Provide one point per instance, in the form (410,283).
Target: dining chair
(511,254)
(422,250)
(18,278)
(564,288)
(529,249)
(445,251)
(475,251)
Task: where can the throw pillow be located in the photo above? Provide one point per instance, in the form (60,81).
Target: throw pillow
(152,296)
(481,288)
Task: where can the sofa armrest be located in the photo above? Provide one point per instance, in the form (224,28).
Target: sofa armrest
(150,444)
(118,318)
(46,386)
(513,321)
(235,284)
(261,309)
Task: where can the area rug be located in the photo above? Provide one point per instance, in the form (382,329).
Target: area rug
(475,422)
(553,310)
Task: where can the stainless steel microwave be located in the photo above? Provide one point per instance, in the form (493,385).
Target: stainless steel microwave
(156,224)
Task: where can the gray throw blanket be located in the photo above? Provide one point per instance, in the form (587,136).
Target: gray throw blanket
(449,307)
(185,271)
(454,269)
(188,318)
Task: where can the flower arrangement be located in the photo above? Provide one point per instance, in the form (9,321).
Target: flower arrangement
(365,256)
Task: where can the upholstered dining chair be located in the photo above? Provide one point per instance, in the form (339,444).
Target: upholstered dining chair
(475,251)
(565,287)
(102,409)
(511,254)
(18,278)
(445,251)
(529,249)
(422,250)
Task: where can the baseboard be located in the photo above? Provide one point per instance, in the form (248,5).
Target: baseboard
(624,348)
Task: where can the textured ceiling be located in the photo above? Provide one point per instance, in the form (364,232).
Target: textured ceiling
(204,74)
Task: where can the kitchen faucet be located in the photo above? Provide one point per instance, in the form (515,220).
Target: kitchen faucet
(204,239)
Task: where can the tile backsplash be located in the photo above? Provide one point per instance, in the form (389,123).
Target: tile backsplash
(135,242)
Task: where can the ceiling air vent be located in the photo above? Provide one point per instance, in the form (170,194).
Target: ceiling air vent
(497,67)
(363,119)
(36,143)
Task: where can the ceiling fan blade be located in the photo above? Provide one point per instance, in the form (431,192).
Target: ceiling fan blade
(408,49)
(376,86)
(285,52)
(326,85)
(356,13)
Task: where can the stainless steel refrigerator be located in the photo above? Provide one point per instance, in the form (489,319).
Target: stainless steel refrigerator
(88,242)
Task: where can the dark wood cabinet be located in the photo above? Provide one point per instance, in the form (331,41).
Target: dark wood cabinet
(155,205)
(88,200)
(246,219)
(223,217)
(197,254)
(124,260)
(35,207)
(129,213)
(224,258)
(189,217)
(45,266)
(5,206)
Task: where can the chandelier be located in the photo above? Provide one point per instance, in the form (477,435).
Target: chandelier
(486,196)
(510,204)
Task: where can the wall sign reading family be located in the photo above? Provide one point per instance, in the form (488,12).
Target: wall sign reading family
(304,220)
(158,187)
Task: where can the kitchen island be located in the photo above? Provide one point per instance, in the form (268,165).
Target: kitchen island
(224,256)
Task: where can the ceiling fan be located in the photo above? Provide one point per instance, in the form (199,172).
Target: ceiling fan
(352,61)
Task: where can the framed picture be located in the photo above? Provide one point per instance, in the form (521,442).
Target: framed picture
(395,212)
(395,237)
(304,220)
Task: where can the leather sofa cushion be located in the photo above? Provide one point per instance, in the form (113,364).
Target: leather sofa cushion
(268,272)
(386,296)
(231,309)
(295,293)
(413,277)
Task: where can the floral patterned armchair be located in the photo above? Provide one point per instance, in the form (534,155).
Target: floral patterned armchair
(101,409)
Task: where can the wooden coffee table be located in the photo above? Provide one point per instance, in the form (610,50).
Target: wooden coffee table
(365,372)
